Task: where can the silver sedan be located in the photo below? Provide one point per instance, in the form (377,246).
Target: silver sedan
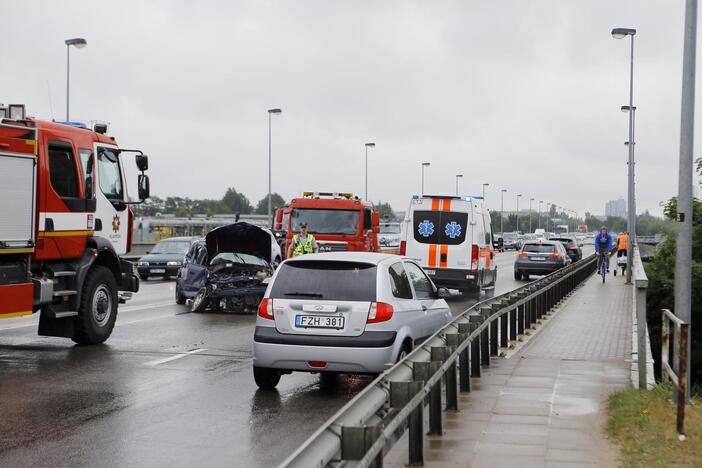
(345,312)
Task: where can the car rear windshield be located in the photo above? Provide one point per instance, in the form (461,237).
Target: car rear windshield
(539,248)
(171,247)
(325,279)
(440,227)
(565,241)
(509,235)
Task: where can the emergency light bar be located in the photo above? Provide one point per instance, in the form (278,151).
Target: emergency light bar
(348,195)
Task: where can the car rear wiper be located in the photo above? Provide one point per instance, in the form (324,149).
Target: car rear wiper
(303,294)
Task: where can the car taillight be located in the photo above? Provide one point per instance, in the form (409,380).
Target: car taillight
(474,253)
(265,308)
(522,254)
(555,255)
(403,247)
(380,312)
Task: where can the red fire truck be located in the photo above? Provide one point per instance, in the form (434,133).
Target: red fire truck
(65,219)
(339,221)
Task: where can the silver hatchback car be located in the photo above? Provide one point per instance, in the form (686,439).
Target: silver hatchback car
(350,312)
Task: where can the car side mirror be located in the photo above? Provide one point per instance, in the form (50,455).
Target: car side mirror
(443,293)
(144,188)
(142,162)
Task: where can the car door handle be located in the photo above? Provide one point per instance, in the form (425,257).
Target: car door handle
(424,308)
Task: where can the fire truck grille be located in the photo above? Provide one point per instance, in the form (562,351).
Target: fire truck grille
(333,247)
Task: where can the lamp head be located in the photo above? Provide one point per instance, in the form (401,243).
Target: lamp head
(275,111)
(77,42)
(370,145)
(621,33)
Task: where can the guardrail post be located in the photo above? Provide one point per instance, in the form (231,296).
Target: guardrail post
(464,358)
(451,387)
(504,329)
(475,346)
(435,401)
(513,324)
(356,441)
(400,394)
(530,305)
(485,338)
(521,315)
(494,327)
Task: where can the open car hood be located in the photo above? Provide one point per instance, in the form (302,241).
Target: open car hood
(239,237)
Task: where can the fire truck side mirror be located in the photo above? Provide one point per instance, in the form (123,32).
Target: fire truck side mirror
(142,162)
(144,189)
(376,222)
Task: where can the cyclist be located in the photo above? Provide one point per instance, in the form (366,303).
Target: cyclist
(603,245)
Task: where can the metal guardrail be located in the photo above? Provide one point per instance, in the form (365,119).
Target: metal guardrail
(371,422)
(667,373)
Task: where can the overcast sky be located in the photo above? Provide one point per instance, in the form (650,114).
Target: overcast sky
(524,95)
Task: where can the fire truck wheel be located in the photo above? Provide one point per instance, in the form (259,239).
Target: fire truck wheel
(98,307)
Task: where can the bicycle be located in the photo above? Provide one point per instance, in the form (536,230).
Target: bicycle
(602,264)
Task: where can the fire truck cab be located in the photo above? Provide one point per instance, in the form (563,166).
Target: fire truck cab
(338,221)
(65,220)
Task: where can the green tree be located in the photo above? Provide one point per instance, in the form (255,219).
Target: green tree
(276,202)
(661,285)
(236,202)
(386,211)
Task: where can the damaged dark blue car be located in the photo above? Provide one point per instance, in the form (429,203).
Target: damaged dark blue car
(228,271)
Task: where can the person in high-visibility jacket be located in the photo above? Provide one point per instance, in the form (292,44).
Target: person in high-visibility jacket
(303,243)
(622,243)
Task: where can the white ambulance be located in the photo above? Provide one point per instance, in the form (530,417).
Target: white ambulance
(451,237)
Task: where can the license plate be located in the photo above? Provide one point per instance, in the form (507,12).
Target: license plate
(430,272)
(538,259)
(158,270)
(316,321)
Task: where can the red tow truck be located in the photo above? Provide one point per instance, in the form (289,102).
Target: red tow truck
(65,220)
(339,221)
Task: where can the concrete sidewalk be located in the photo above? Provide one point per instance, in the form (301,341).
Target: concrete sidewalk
(546,405)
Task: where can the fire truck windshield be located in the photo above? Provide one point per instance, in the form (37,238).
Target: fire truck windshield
(324,221)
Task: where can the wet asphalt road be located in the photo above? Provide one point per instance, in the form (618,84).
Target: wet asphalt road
(169,388)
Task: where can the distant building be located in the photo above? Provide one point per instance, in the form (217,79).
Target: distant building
(616,208)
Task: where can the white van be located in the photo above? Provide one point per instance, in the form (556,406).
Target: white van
(451,238)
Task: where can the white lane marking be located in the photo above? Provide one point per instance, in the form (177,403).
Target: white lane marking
(34,319)
(173,358)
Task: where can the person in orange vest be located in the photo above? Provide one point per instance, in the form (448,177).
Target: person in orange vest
(622,244)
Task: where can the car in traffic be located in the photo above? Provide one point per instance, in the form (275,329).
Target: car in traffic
(524,238)
(229,270)
(510,240)
(571,246)
(389,237)
(166,258)
(344,312)
(540,257)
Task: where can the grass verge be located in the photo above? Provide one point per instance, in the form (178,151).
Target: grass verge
(643,422)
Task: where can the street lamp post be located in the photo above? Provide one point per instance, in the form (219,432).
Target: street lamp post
(502,208)
(78,43)
(519,195)
(270,206)
(424,164)
(548,215)
(485,185)
(368,145)
(458,176)
(621,33)
(530,210)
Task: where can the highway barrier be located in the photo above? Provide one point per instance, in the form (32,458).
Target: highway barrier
(371,423)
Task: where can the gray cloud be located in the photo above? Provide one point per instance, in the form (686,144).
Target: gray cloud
(524,95)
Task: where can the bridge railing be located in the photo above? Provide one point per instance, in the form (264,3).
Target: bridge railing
(374,419)
(668,374)
(642,359)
